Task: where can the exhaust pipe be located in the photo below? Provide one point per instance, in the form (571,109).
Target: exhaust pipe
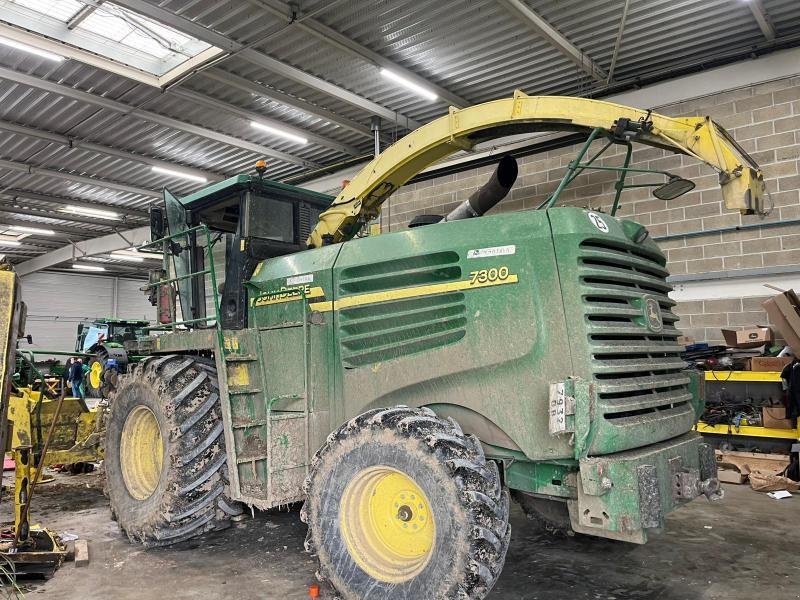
(490,194)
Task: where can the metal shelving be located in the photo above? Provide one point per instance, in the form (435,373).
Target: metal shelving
(746,430)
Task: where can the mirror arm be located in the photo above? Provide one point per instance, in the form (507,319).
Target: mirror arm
(620,185)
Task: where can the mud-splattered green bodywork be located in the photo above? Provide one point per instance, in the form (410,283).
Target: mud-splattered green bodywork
(548,334)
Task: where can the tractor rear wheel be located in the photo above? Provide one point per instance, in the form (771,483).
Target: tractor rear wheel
(401,504)
(165,452)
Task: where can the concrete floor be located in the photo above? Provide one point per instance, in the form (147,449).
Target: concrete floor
(739,549)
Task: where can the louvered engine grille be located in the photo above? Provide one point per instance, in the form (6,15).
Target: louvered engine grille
(638,373)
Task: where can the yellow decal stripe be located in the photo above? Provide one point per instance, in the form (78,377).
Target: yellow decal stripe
(404,293)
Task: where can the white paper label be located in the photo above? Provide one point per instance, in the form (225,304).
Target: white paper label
(300,279)
(489,252)
(598,222)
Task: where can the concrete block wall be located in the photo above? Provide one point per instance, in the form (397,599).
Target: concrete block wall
(763,118)
(703,320)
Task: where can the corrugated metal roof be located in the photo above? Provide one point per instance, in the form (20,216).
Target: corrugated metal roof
(475,50)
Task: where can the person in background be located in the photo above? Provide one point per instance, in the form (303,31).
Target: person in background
(75,377)
(84,372)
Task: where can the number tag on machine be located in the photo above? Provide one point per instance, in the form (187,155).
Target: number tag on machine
(561,405)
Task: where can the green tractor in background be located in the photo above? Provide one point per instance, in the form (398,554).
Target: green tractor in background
(103,340)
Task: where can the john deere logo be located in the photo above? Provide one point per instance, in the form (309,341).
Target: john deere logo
(652,314)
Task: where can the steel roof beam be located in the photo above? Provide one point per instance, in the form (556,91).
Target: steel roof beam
(81,15)
(314,82)
(91,247)
(762,18)
(61,200)
(350,46)
(126,109)
(207,35)
(72,218)
(254,116)
(251,87)
(60,230)
(73,142)
(94,181)
(533,21)
(618,42)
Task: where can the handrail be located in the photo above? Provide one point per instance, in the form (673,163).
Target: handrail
(209,270)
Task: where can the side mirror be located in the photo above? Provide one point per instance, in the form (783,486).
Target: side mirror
(676,186)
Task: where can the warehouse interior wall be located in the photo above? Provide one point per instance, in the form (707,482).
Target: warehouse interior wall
(57,302)
(704,243)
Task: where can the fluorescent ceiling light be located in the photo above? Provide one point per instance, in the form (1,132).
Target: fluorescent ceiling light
(10,243)
(128,257)
(279,132)
(417,89)
(91,212)
(83,267)
(179,174)
(30,49)
(37,230)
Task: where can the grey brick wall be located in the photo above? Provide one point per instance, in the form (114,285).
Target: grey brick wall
(764,119)
(703,319)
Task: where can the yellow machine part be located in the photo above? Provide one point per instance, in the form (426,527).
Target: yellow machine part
(76,438)
(96,375)
(387,524)
(740,178)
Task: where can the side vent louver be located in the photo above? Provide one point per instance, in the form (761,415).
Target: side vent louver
(390,329)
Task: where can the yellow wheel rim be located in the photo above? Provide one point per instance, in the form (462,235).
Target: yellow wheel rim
(387,524)
(141,453)
(96,374)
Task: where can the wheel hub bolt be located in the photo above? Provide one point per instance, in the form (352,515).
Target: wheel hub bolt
(405,514)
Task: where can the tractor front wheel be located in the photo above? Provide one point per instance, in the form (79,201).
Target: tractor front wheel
(165,452)
(401,504)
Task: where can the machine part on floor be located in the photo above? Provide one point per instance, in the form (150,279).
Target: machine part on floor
(74,436)
(401,504)
(740,178)
(39,551)
(166,467)
(546,336)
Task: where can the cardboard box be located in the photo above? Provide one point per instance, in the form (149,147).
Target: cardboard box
(775,418)
(784,312)
(749,337)
(769,363)
(731,476)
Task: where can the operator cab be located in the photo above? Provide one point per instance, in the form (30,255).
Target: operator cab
(253,218)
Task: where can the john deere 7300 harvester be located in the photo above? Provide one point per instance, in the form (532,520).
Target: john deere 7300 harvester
(403,384)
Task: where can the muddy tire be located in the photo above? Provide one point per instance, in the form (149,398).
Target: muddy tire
(110,382)
(165,452)
(438,515)
(550,516)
